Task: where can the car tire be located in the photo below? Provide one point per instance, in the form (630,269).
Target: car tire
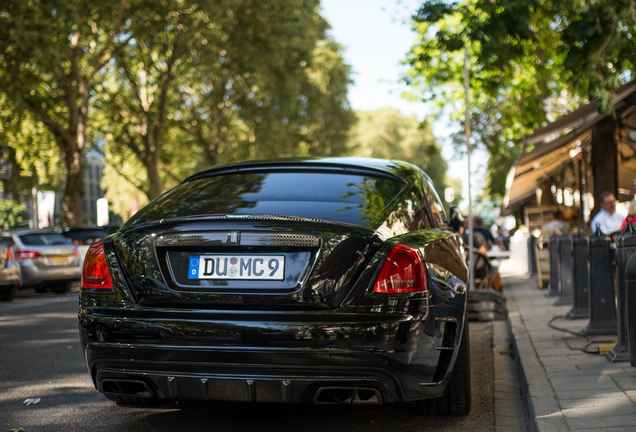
(456,399)
(61,288)
(42,289)
(8,293)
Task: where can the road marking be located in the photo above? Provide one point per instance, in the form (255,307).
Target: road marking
(35,302)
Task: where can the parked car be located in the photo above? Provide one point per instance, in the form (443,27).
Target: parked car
(328,281)
(47,260)
(9,274)
(111,228)
(83,238)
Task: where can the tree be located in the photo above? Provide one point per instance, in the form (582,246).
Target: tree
(237,79)
(31,152)
(51,53)
(387,134)
(11,213)
(529,61)
(138,93)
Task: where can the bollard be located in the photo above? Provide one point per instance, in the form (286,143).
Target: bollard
(601,300)
(532,256)
(625,248)
(555,266)
(580,277)
(565,264)
(630,296)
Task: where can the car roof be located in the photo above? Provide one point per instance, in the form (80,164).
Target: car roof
(84,228)
(380,167)
(28,231)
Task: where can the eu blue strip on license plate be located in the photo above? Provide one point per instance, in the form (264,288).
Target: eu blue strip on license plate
(259,267)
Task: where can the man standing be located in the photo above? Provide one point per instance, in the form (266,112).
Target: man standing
(607,219)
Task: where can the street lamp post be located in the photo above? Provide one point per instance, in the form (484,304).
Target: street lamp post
(471,263)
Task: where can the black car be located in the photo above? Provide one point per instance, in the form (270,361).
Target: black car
(328,281)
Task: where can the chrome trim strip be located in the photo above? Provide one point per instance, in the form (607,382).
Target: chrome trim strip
(221,238)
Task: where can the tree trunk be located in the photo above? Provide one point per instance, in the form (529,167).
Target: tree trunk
(74,189)
(154,181)
(604,159)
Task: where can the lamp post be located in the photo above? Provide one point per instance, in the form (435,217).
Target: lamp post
(471,263)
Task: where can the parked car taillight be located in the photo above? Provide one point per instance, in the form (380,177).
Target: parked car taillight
(9,254)
(75,252)
(27,254)
(402,272)
(95,273)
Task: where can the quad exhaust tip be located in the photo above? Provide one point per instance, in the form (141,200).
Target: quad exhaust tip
(347,396)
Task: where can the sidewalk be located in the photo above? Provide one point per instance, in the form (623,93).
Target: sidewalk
(564,388)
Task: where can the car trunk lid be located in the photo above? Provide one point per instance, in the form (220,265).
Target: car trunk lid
(254,263)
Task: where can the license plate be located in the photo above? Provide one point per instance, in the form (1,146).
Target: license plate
(58,259)
(259,267)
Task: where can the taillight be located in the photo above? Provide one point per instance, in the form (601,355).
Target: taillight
(95,273)
(9,253)
(75,252)
(27,254)
(402,272)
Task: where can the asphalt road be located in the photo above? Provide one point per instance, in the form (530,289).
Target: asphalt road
(40,357)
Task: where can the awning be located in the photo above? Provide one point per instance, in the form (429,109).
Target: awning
(535,167)
(553,142)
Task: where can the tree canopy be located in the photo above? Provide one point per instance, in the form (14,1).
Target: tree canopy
(387,134)
(51,53)
(167,88)
(530,62)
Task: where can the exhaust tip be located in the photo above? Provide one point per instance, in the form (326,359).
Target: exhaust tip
(120,387)
(347,396)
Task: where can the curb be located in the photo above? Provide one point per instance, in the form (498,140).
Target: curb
(544,412)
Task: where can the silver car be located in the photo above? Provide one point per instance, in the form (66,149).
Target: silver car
(48,260)
(9,274)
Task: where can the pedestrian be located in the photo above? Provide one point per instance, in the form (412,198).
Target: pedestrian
(480,228)
(558,223)
(631,214)
(607,219)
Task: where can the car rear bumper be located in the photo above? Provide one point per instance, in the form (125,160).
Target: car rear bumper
(397,358)
(10,275)
(250,383)
(33,275)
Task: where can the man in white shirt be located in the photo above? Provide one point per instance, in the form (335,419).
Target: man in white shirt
(607,219)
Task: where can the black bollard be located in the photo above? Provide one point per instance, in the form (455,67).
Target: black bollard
(580,276)
(630,291)
(555,266)
(602,309)
(565,264)
(625,248)
(532,256)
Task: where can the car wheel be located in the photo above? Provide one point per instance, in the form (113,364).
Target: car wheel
(456,399)
(8,293)
(61,288)
(42,289)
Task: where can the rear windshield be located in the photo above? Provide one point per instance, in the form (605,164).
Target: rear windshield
(43,239)
(348,198)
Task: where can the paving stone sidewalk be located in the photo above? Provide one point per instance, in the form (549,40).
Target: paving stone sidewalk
(565,389)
